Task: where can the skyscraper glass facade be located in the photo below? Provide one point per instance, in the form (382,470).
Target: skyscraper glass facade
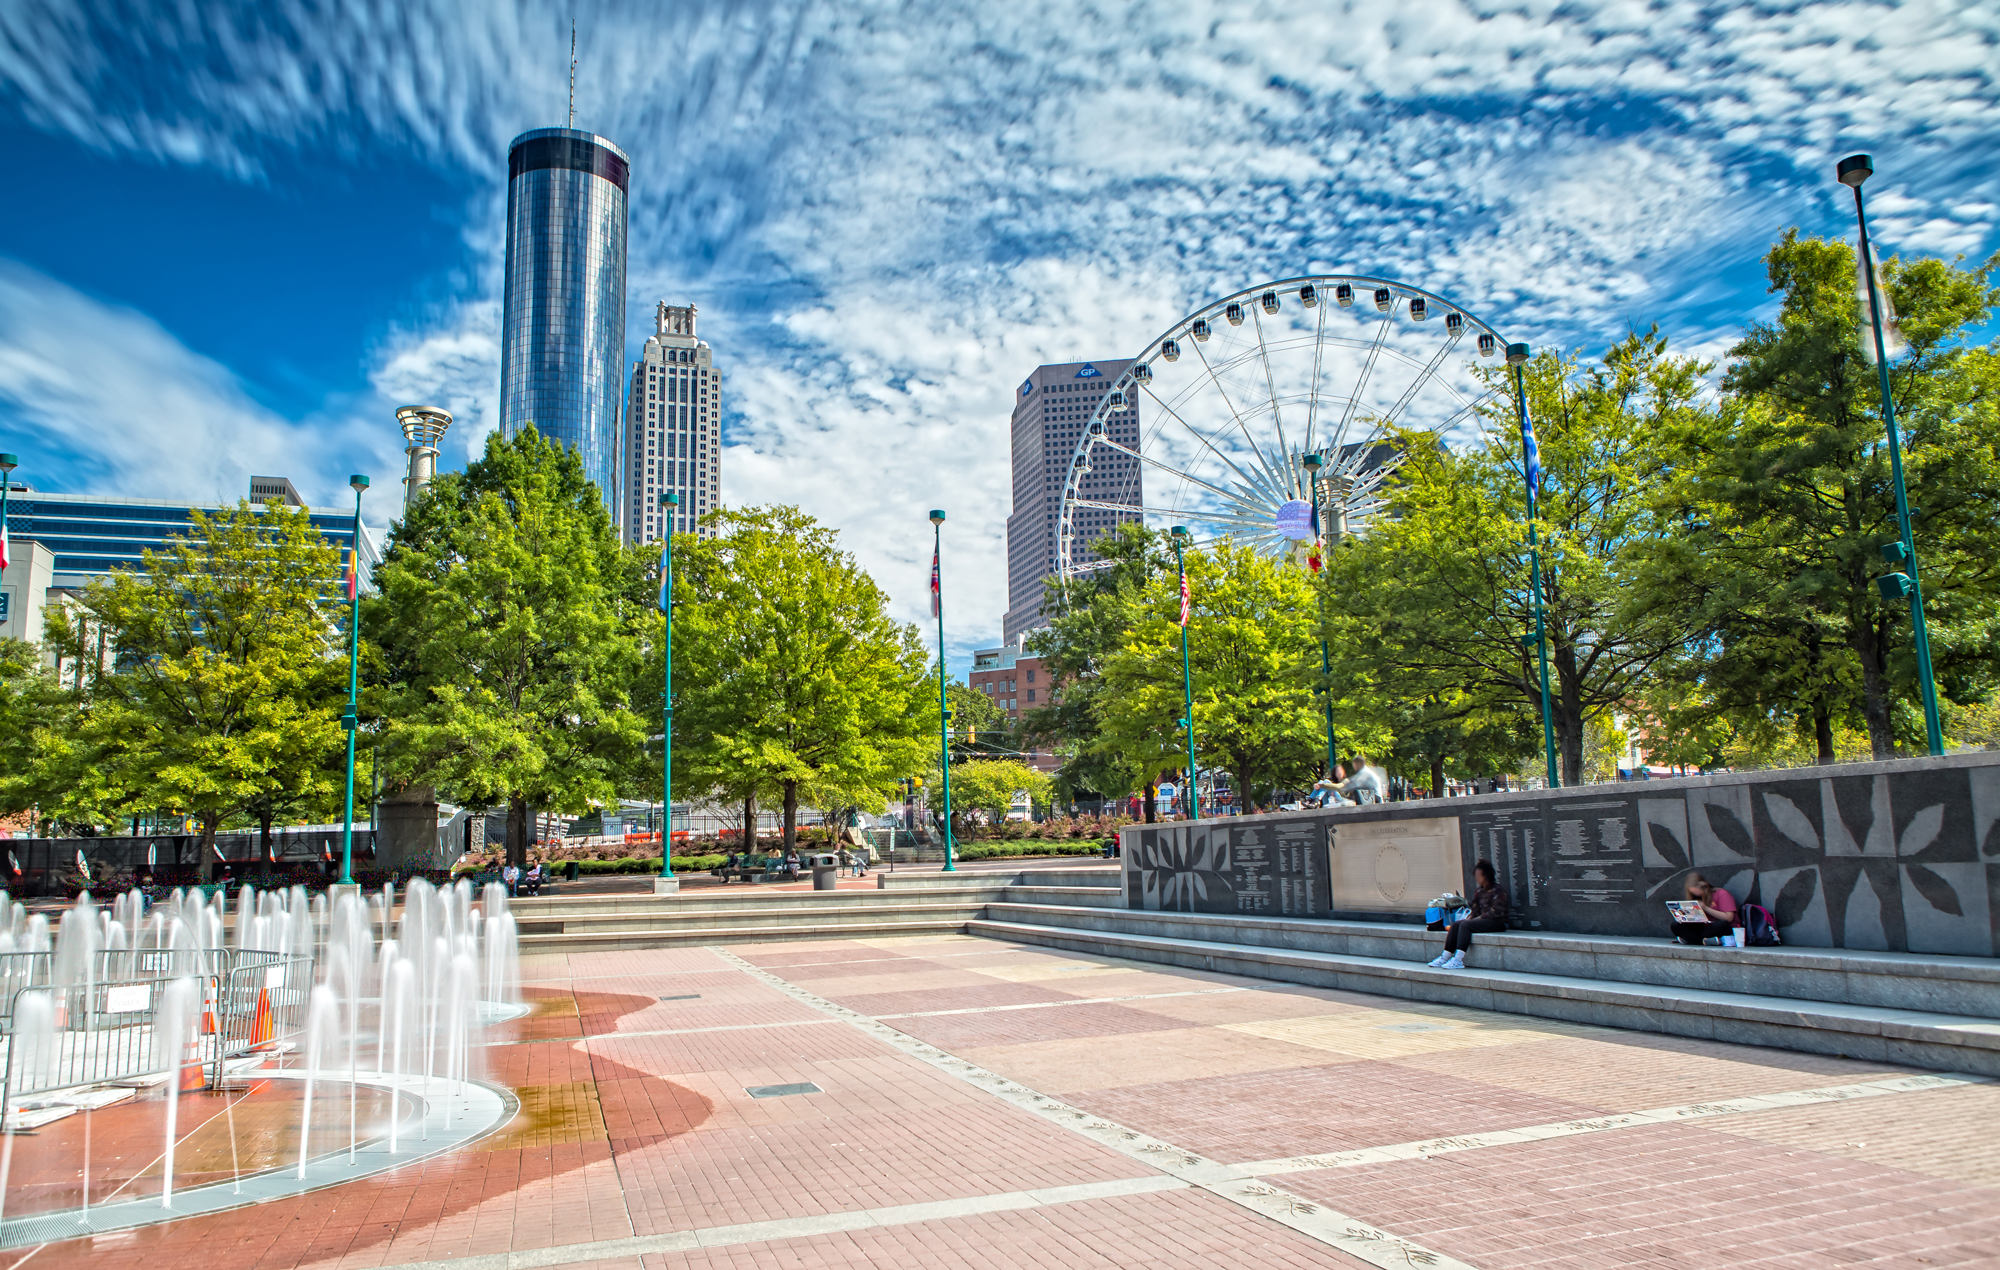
(562,326)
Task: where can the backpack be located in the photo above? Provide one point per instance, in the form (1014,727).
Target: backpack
(1760,927)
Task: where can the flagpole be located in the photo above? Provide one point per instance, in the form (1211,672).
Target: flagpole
(1312,463)
(8,463)
(351,721)
(1516,355)
(667,883)
(1852,172)
(944,710)
(1180,535)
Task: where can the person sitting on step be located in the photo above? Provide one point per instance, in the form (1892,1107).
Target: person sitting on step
(1489,915)
(1718,905)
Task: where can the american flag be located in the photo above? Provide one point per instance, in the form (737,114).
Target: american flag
(1185,598)
(937,595)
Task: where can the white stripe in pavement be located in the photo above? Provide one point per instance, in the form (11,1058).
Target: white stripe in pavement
(1043,1005)
(1315,1221)
(797,1227)
(1601,1124)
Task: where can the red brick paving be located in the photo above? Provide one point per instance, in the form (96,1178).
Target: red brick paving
(637,1133)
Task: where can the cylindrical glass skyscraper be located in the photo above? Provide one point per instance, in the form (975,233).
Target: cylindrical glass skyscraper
(562,324)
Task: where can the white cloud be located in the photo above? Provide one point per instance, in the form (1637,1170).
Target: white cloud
(888,217)
(108,401)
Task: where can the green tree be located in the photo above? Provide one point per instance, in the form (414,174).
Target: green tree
(1438,595)
(1089,620)
(990,785)
(978,725)
(796,678)
(1254,665)
(1785,507)
(227,689)
(505,657)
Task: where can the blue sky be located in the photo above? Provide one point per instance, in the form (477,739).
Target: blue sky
(235,237)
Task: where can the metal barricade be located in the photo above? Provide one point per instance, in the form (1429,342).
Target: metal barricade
(102,1031)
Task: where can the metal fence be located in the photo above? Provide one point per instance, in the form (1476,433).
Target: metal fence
(119,1023)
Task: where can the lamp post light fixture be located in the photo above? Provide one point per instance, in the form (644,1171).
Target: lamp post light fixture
(667,883)
(944,708)
(1517,355)
(1312,465)
(1181,538)
(351,720)
(1852,171)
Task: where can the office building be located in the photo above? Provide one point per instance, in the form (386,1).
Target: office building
(1051,410)
(1016,682)
(562,323)
(86,536)
(674,429)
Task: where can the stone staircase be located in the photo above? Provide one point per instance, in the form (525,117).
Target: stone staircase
(1925,1011)
(1905,1008)
(903,903)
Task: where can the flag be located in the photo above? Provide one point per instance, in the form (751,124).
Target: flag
(1185,598)
(666,579)
(937,594)
(1531,456)
(82,865)
(5,559)
(1892,330)
(352,581)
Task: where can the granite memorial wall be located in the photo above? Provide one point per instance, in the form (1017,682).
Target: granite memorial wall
(1900,855)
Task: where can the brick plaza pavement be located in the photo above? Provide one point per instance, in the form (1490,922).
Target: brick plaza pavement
(984,1104)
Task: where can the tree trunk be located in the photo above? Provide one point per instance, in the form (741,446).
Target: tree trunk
(1152,805)
(517,831)
(1870,652)
(207,848)
(791,813)
(749,824)
(1823,726)
(1437,776)
(264,839)
(1568,714)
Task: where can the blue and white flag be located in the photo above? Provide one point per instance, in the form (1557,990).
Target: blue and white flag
(666,577)
(1531,456)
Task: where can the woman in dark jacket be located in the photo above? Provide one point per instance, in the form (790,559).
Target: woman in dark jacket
(1489,914)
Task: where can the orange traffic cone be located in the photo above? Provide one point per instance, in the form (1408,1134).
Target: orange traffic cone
(193,1076)
(260,1026)
(207,1016)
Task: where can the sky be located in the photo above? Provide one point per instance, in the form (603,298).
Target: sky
(236,237)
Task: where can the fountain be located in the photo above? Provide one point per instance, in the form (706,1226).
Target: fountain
(366,1019)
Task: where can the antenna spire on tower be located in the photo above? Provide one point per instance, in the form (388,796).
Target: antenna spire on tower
(572,72)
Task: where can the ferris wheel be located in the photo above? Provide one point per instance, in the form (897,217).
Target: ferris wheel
(1220,423)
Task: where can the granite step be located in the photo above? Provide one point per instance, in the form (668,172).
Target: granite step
(1920,1038)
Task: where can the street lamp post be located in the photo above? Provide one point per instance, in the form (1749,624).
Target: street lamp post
(1531,473)
(351,721)
(667,883)
(1852,171)
(8,462)
(1312,464)
(944,709)
(1180,535)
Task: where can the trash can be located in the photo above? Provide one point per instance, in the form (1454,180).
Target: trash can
(826,871)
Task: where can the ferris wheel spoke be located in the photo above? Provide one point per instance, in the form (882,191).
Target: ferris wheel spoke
(1471,407)
(1271,390)
(1230,496)
(1368,364)
(1417,384)
(1276,483)
(1319,353)
(1177,417)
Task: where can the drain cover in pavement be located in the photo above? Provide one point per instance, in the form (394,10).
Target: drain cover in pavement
(781,1091)
(1413,1027)
(685,996)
